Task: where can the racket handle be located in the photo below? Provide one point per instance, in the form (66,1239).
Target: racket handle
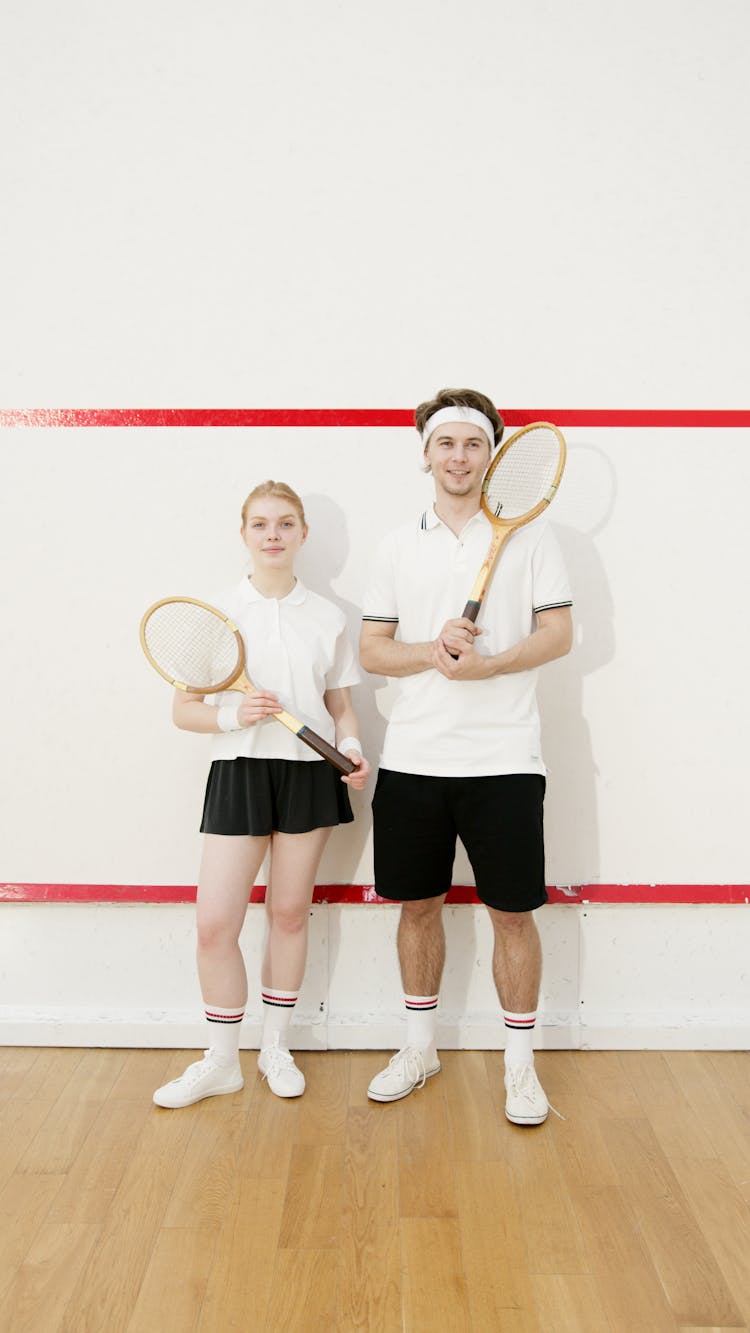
(470,612)
(326,751)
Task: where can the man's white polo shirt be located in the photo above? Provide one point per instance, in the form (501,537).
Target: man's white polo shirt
(296,647)
(422,576)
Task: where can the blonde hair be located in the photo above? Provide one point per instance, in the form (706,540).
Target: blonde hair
(280,491)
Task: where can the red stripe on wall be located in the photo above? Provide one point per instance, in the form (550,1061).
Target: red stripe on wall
(365,893)
(334,416)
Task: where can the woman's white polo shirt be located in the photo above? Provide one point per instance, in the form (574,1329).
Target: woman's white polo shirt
(297,647)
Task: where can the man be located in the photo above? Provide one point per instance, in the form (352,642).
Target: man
(461,755)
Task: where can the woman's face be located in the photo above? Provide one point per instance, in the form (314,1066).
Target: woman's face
(273,532)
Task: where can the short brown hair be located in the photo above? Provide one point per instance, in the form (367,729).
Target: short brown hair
(460,398)
(280,491)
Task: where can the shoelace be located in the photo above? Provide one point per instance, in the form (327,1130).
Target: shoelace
(523,1085)
(403,1057)
(278,1060)
(196,1071)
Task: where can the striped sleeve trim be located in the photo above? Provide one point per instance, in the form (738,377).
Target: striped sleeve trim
(386,620)
(550,606)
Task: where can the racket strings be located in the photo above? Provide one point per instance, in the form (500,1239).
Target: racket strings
(191,644)
(523,475)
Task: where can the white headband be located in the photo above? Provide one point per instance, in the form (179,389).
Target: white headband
(459,414)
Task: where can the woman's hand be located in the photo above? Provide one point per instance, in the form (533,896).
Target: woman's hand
(361,773)
(257,705)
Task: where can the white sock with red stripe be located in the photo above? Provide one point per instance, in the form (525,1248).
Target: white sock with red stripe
(278,1007)
(224,1032)
(519,1038)
(421,1015)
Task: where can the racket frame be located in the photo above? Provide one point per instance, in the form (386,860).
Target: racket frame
(239,680)
(504,527)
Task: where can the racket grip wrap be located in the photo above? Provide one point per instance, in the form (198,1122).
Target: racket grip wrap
(326,751)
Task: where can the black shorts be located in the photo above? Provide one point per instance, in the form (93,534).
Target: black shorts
(498,819)
(263,796)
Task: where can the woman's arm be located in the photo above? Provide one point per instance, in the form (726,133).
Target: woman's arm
(191,713)
(339,704)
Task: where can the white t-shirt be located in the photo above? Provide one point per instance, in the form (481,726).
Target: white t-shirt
(296,647)
(422,576)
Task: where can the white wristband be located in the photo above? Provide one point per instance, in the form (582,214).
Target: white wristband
(350,743)
(226,717)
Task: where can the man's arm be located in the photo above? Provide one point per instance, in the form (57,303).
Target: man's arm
(383,656)
(553,637)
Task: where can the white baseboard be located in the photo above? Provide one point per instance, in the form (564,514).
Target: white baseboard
(183,1031)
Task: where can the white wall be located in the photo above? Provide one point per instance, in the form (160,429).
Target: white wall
(330,206)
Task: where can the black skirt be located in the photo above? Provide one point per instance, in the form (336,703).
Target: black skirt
(263,796)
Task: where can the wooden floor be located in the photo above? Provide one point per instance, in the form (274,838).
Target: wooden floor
(333,1213)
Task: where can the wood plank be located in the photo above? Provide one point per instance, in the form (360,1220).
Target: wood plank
(49,1075)
(303,1293)
(363,1066)
(696,1077)
(268,1135)
(493,1244)
(239,1285)
(631,1294)
(108,1289)
(549,1222)
(569,1303)
(15,1063)
(24,1206)
(605,1079)
(679,1130)
(724,1220)
(174,1284)
(36,1299)
(143,1072)
(94,1076)
(695,1287)
(732,1068)
(59,1139)
(630,1291)
(93,1179)
(369,1282)
(427,1184)
(20,1122)
(311,1217)
(435,1291)
(474,1126)
(322,1110)
(203,1187)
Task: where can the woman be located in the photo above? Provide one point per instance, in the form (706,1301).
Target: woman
(266,789)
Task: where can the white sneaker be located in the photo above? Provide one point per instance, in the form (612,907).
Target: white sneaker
(526,1102)
(208,1077)
(280,1072)
(407,1069)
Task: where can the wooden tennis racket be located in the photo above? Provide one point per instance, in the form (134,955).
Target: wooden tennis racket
(519,484)
(200,650)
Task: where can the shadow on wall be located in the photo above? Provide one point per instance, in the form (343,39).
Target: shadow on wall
(321,561)
(571,816)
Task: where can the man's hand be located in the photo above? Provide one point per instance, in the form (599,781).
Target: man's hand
(454,654)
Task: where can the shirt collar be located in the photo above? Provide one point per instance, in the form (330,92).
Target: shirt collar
(430,520)
(249,593)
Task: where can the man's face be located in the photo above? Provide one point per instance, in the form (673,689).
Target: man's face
(458,454)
